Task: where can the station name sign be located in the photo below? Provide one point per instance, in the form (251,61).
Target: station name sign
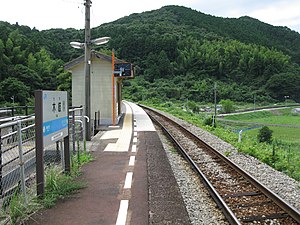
(54,113)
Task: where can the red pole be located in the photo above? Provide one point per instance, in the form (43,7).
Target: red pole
(113,89)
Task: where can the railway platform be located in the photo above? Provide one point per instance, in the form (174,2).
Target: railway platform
(130,182)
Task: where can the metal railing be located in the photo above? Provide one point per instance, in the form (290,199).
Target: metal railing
(17,152)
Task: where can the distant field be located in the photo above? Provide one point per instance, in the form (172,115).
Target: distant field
(283,154)
(280,116)
(291,135)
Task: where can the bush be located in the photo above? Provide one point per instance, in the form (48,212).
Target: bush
(208,121)
(193,106)
(265,135)
(227,106)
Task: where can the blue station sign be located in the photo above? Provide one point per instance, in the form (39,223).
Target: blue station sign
(55,116)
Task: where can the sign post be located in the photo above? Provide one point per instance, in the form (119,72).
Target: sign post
(51,125)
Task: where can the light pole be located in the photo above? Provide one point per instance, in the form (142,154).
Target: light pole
(87,63)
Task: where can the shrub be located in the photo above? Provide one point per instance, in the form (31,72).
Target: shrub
(208,121)
(227,106)
(265,135)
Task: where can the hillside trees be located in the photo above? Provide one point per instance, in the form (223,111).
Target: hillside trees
(23,69)
(180,53)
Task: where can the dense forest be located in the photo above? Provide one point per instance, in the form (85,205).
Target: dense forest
(179,54)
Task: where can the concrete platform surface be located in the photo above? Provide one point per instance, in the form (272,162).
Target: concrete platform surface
(130,182)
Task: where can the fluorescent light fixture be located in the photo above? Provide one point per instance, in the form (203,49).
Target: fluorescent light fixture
(75,44)
(100,41)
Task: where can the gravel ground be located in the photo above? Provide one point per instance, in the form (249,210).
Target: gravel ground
(200,206)
(284,186)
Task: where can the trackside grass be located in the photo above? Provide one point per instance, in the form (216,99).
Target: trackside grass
(283,153)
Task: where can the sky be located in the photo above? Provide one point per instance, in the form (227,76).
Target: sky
(47,14)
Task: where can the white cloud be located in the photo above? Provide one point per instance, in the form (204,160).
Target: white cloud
(111,10)
(46,14)
(280,14)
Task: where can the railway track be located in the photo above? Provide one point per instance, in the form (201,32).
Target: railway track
(242,198)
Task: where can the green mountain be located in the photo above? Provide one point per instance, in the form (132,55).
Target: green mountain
(179,54)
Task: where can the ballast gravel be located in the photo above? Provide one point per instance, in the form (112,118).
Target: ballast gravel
(200,206)
(278,182)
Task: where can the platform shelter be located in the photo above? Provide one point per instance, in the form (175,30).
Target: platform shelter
(107,74)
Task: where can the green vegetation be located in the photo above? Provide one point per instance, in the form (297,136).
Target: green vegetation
(227,106)
(57,186)
(282,153)
(265,135)
(179,54)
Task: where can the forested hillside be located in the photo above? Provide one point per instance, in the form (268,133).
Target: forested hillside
(179,54)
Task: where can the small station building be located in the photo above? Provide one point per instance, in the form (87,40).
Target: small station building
(107,74)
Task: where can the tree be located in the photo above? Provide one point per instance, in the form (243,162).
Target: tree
(12,87)
(227,106)
(265,135)
(24,74)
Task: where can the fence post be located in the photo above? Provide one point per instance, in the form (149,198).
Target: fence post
(95,123)
(67,155)
(240,135)
(12,111)
(26,110)
(22,169)
(73,133)
(39,144)
(99,117)
(83,128)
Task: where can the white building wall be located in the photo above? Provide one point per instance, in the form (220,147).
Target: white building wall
(78,88)
(101,89)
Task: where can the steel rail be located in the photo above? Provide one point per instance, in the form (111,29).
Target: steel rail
(215,195)
(292,211)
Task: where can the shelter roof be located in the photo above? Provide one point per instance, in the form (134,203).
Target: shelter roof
(94,54)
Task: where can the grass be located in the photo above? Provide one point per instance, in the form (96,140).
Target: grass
(282,116)
(16,211)
(58,186)
(288,134)
(279,116)
(283,154)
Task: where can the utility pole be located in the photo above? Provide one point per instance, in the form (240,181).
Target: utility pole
(215,101)
(87,65)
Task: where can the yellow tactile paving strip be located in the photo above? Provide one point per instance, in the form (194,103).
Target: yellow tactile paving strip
(111,134)
(124,138)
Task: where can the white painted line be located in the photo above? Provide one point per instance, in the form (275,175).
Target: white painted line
(131,161)
(134,140)
(128,180)
(133,149)
(117,126)
(121,220)
(135,134)
(134,124)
